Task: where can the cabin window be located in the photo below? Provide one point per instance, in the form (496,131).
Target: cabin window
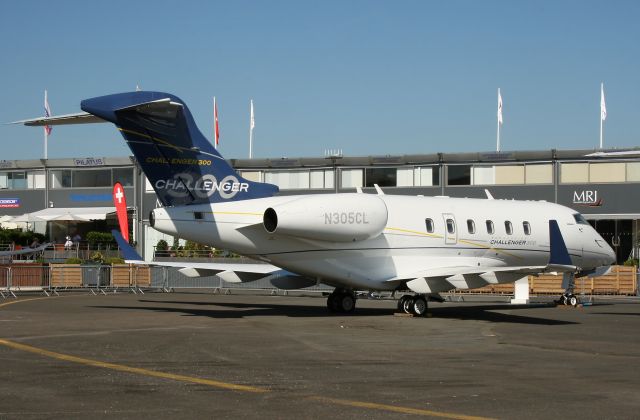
(451,226)
(490,228)
(527,228)
(471,226)
(429,225)
(198,215)
(580,219)
(508,227)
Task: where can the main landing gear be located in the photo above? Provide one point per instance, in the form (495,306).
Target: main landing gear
(341,300)
(415,305)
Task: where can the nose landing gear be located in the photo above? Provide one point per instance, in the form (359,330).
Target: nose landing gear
(568,298)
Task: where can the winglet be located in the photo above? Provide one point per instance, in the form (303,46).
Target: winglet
(558,253)
(130,255)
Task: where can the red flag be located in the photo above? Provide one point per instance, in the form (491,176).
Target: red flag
(120,202)
(216,128)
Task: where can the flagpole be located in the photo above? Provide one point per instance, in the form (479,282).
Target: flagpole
(498,118)
(601,119)
(46,134)
(251,124)
(215,135)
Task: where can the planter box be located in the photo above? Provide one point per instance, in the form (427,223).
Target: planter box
(66,275)
(125,275)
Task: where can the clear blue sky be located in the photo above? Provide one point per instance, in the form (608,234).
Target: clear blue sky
(369,77)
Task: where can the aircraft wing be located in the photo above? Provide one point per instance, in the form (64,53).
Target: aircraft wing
(68,119)
(25,251)
(228,272)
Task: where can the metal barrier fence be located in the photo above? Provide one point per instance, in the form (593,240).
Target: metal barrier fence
(51,279)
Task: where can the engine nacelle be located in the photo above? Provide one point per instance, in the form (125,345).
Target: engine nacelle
(344,218)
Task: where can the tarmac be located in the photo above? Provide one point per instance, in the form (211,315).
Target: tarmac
(200,355)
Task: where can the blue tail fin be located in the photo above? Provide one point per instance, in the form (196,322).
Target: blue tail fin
(181,164)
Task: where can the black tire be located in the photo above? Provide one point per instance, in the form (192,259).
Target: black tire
(407,305)
(419,306)
(332,303)
(572,300)
(346,302)
(401,302)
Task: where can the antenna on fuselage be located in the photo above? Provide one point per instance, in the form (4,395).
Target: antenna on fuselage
(489,196)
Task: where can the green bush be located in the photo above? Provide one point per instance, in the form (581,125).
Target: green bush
(114,260)
(162,245)
(631,262)
(73,260)
(95,238)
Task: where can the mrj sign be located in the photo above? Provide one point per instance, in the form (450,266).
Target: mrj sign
(587,198)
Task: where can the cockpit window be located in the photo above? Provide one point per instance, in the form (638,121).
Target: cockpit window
(580,219)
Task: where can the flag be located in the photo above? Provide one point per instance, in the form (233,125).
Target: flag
(47,114)
(603,106)
(120,202)
(216,127)
(252,124)
(499,107)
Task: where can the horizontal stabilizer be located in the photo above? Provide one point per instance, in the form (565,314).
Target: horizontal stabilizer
(68,119)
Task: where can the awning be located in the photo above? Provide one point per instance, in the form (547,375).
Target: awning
(83,214)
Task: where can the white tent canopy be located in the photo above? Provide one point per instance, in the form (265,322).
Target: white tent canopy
(83,214)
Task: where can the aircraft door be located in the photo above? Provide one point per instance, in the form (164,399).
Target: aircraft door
(450,229)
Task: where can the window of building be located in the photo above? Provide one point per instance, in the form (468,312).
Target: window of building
(484,175)
(459,175)
(384,177)
(61,178)
(471,226)
(198,215)
(36,179)
(124,176)
(13,180)
(288,180)
(427,176)
(321,178)
(351,178)
(527,228)
(509,174)
(91,178)
(574,173)
(508,227)
(539,173)
(255,176)
(607,172)
(405,177)
(633,171)
(451,226)
(490,228)
(429,225)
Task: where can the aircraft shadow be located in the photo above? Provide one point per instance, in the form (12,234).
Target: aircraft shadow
(242,310)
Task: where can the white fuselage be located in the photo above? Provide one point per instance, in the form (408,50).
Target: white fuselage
(456,234)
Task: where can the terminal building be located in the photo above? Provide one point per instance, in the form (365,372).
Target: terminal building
(67,196)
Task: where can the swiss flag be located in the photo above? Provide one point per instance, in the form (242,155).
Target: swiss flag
(120,202)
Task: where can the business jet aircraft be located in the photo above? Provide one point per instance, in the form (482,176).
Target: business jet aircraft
(351,241)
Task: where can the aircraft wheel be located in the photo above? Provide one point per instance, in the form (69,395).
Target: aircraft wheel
(346,302)
(572,300)
(401,301)
(419,306)
(332,303)
(407,305)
